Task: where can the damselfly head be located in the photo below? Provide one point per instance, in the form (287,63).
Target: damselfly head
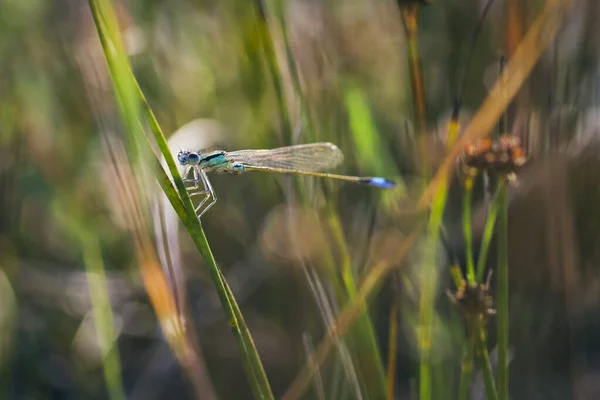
(188,157)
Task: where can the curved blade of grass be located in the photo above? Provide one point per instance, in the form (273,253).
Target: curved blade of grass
(185,211)
(485,365)
(502,282)
(306,114)
(488,232)
(274,69)
(103,319)
(428,282)
(99,295)
(366,349)
(392,349)
(170,314)
(128,98)
(467,230)
(502,295)
(348,316)
(466,367)
(371,152)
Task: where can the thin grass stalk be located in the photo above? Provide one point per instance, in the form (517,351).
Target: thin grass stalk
(293,67)
(128,96)
(502,288)
(467,366)
(337,388)
(344,360)
(467,230)
(410,20)
(123,183)
(429,274)
(274,69)
(471,344)
(365,343)
(488,233)
(348,316)
(392,349)
(102,314)
(502,295)
(485,364)
(69,215)
(363,333)
(428,287)
(462,81)
(319,392)
(183,206)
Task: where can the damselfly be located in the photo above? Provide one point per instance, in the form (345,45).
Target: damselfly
(303,159)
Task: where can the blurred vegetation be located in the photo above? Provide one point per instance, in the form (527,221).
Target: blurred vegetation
(104,295)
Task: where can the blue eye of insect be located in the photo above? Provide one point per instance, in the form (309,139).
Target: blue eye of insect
(186,157)
(182,157)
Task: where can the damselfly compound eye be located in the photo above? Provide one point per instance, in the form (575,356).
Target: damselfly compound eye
(187,157)
(182,157)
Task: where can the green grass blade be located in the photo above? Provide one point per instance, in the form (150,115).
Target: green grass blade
(488,232)
(486,365)
(274,69)
(362,334)
(128,98)
(466,368)
(99,295)
(502,295)
(467,230)
(428,286)
(103,318)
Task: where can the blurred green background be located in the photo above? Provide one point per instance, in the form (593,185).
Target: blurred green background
(284,244)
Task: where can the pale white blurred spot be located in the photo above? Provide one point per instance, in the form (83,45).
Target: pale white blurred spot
(77,300)
(89,347)
(134,39)
(195,135)
(587,131)
(171,326)
(292,233)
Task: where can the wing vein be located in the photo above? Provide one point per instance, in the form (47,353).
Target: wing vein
(314,157)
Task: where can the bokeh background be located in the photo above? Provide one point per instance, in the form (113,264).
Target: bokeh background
(292,250)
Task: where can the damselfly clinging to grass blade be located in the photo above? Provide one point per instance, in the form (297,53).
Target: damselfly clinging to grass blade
(303,159)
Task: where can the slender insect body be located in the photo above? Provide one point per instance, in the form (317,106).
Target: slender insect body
(304,159)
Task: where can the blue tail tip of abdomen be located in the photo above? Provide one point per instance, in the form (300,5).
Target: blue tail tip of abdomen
(381,182)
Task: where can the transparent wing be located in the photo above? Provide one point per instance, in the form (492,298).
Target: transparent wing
(312,157)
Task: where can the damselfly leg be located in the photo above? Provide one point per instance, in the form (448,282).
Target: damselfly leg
(209,196)
(194,180)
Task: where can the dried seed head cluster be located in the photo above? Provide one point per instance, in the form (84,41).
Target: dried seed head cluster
(502,156)
(473,301)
